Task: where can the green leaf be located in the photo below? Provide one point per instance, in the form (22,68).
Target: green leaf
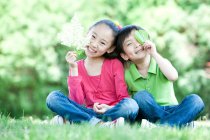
(141,36)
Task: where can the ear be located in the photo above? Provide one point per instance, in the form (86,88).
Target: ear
(124,56)
(111,49)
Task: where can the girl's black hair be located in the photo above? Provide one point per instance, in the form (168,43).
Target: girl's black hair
(123,33)
(115,30)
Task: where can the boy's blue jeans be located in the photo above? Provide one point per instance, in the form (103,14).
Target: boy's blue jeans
(174,115)
(72,111)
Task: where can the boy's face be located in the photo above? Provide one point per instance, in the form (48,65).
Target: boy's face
(133,50)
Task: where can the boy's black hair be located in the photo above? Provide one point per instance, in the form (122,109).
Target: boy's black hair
(115,30)
(123,33)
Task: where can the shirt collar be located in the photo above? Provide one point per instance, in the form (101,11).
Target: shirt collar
(135,73)
(152,67)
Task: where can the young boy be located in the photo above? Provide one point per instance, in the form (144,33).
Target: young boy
(150,78)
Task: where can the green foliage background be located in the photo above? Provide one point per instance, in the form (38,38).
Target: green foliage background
(32,63)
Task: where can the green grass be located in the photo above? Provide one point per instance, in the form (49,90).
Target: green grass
(35,129)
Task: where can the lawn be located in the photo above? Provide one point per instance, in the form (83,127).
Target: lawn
(36,129)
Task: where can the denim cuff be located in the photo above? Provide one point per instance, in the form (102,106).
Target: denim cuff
(93,121)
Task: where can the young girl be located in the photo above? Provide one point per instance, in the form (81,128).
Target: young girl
(97,90)
(150,78)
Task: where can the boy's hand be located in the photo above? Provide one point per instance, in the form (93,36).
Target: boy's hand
(165,66)
(150,47)
(101,108)
(71,59)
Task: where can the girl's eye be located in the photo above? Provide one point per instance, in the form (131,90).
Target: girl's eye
(93,36)
(102,43)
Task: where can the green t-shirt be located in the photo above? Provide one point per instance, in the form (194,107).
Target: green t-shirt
(155,83)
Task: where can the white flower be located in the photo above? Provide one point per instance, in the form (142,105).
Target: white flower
(72,34)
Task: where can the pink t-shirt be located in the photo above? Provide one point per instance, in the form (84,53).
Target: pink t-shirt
(108,88)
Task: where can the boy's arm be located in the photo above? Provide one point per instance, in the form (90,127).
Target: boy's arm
(165,66)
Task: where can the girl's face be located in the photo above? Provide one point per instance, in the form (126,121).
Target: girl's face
(101,40)
(133,50)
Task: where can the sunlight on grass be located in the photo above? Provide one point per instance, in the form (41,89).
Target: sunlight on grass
(30,128)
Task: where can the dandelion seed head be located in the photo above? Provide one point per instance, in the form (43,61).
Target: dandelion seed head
(72,34)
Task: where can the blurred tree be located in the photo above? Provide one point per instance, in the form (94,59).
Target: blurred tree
(32,62)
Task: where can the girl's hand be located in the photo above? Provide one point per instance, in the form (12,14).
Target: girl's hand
(95,107)
(150,47)
(101,108)
(71,59)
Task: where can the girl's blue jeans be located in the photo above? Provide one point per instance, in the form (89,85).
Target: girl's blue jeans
(74,112)
(174,115)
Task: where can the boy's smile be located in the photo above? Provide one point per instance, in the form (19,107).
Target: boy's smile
(139,50)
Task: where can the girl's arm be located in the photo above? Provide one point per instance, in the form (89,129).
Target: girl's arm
(120,84)
(75,89)
(74,80)
(165,66)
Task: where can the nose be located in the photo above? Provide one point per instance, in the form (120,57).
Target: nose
(137,45)
(94,44)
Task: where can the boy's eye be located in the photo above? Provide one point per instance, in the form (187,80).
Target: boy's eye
(129,44)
